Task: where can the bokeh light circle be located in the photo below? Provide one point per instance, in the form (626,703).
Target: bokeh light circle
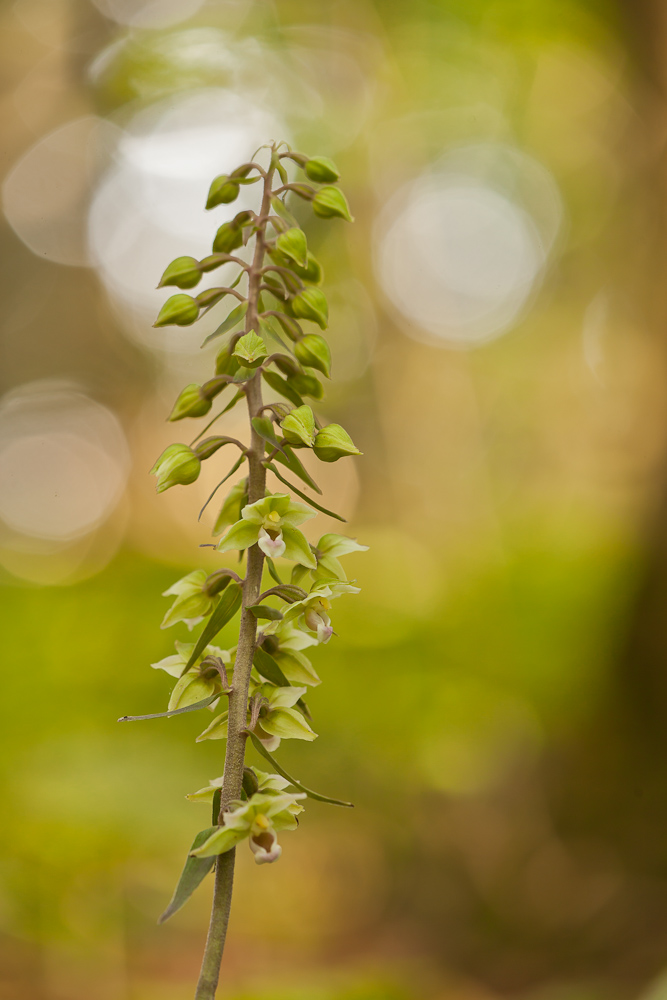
(460,250)
(63,461)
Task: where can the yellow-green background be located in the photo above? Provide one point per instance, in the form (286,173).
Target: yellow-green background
(495,703)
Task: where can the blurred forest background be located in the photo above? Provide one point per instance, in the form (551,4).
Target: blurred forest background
(496,704)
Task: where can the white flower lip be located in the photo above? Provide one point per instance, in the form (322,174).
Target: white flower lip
(271,547)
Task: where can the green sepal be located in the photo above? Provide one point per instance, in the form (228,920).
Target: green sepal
(190,403)
(193,874)
(330,202)
(307,385)
(222,839)
(292,244)
(311,304)
(234,318)
(250,350)
(321,169)
(178,310)
(297,548)
(281,385)
(299,427)
(225,610)
(230,512)
(222,191)
(259,747)
(313,352)
(184,272)
(228,237)
(288,724)
(265,612)
(333,442)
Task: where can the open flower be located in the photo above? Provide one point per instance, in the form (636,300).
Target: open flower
(272,524)
(272,783)
(277,719)
(192,603)
(328,551)
(175,663)
(312,613)
(259,820)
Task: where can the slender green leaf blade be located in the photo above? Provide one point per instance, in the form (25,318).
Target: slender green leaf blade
(227,607)
(269,668)
(204,703)
(324,510)
(235,316)
(281,385)
(287,457)
(193,874)
(297,784)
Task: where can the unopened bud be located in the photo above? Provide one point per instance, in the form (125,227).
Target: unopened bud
(299,427)
(177,465)
(222,191)
(321,169)
(292,244)
(330,202)
(178,310)
(333,442)
(184,272)
(228,237)
(191,403)
(226,363)
(313,352)
(311,304)
(307,385)
(250,350)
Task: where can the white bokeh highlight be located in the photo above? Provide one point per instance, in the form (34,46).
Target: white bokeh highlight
(459,251)
(64,462)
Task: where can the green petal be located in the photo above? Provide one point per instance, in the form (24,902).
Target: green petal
(221,841)
(217,729)
(288,724)
(240,536)
(297,548)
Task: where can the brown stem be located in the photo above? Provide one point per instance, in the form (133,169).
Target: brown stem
(238,699)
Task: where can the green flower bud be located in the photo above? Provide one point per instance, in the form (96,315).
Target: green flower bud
(229,237)
(226,363)
(183,272)
(191,403)
(321,169)
(311,304)
(312,273)
(307,385)
(313,352)
(222,191)
(179,310)
(292,244)
(250,350)
(177,465)
(330,202)
(333,442)
(299,427)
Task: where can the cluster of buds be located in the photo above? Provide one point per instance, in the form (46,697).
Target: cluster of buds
(256,688)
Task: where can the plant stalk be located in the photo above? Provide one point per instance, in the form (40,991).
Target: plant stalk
(238,699)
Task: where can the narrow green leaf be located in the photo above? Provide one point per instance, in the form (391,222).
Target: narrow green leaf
(215,808)
(230,473)
(324,510)
(204,703)
(264,428)
(297,784)
(269,668)
(281,385)
(273,572)
(287,457)
(193,874)
(235,316)
(225,610)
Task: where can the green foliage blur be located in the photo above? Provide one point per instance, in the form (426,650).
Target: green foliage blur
(494,703)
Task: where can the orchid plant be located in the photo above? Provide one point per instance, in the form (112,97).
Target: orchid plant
(257,688)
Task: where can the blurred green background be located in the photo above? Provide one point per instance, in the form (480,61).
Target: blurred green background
(496,701)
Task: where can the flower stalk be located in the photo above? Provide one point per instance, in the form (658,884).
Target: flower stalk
(261,682)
